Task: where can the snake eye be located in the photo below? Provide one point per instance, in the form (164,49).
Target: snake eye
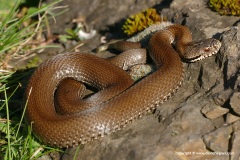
(206,49)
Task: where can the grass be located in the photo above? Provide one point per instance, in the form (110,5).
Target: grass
(4,7)
(16,139)
(17,30)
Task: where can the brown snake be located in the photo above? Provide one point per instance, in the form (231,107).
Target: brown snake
(119,101)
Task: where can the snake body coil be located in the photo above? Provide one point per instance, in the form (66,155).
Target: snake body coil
(119,101)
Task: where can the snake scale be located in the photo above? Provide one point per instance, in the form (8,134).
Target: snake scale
(118,101)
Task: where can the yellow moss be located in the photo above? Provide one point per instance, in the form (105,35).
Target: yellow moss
(226,7)
(140,21)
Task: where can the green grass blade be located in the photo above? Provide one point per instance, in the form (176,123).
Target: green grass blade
(8,126)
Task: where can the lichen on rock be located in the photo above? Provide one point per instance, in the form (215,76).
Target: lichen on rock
(142,20)
(226,7)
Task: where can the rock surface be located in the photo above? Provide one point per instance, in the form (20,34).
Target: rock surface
(230,118)
(213,111)
(192,124)
(218,139)
(234,102)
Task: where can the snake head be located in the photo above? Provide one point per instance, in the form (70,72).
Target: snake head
(201,49)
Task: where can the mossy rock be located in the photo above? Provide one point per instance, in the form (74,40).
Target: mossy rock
(226,7)
(142,20)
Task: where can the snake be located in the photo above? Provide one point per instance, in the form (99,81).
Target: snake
(119,99)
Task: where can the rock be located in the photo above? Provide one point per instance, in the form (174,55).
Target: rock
(218,122)
(213,111)
(222,97)
(183,123)
(195,150)
(237,85)
(218,140)
(165,152)
(99,14)
(230,118)
(236,126)
(201,19)
(227,57)
(139,71)
(235,142)
(235,102)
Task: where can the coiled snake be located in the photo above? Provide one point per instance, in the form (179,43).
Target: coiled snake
(119,101)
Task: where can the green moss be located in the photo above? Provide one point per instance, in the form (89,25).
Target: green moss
(226,7)
(33,62)
(142,20)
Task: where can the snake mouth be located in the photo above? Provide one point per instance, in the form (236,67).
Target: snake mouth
(203,57)
(193,59)
(198,58)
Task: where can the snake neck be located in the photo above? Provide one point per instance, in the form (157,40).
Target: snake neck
(160,46)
